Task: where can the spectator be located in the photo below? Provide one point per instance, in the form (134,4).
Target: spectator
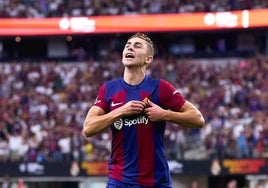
(29,93)
(4,150)
(60,8)
(242,145)
(232,184)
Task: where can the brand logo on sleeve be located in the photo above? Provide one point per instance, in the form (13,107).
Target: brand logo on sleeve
(176,92)
(97,101)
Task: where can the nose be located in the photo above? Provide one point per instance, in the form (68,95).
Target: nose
(130,48)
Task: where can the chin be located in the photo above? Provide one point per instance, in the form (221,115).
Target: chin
(128,63)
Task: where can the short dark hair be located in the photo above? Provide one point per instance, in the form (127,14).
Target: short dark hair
(145,37)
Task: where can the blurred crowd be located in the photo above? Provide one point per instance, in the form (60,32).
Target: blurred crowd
(43,106)
(65,8)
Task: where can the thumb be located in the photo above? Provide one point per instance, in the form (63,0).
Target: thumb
(150,103)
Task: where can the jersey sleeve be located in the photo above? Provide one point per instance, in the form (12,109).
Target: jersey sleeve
(101,100)
(170,97)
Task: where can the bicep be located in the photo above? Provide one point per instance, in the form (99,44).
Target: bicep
(95,111)
(90,127)
(187,106)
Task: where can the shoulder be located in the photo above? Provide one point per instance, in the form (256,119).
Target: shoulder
(108,86)
(165,84)
(157,80)
(151,80)
(111,87)
(110,83)
(168,89)
(113,81)
(161,83)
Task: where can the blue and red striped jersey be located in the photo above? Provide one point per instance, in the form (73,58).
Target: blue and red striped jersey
(138,151)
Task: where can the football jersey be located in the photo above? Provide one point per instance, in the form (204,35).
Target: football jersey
(138,150)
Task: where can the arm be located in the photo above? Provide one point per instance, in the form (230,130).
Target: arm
(189,116)
(97,120)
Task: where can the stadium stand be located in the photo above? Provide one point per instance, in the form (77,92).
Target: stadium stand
(43,102)
(65,8)
(43,106)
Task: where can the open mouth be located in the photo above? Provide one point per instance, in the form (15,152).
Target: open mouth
(129,55)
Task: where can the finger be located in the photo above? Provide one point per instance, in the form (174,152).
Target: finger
(141,103)
(150,103)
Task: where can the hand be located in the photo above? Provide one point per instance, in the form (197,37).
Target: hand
(153,111)
(132,107)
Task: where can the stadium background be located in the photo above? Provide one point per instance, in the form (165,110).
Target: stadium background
(50,76)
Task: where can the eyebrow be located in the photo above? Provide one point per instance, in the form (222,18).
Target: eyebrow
(134,43)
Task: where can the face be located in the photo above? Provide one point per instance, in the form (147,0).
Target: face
(136,53)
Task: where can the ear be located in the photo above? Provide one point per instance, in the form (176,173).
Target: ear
(148,60)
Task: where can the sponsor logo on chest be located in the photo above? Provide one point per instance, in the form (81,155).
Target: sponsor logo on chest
(130,122)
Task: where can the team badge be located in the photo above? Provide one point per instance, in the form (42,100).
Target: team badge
(118,124)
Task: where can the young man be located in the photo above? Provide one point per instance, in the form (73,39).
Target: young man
(136,108)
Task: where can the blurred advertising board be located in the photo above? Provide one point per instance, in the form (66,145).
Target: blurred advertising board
(213,167)
(134,23)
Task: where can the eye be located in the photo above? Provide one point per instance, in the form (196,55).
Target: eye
(138,45)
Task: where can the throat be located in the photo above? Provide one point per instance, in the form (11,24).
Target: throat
(134,80)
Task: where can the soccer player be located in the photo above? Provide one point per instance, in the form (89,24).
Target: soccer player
(136,108)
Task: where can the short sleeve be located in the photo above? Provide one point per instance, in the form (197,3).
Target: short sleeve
(101,100)
(170,97)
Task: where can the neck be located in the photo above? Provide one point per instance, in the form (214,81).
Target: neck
(133,77)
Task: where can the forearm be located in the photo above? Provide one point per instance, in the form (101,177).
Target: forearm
(190,119)
(95,124)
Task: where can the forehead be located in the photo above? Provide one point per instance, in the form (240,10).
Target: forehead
(136,40)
